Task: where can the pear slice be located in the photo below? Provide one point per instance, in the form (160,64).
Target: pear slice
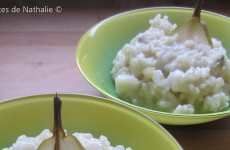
(59,140)
(194,28)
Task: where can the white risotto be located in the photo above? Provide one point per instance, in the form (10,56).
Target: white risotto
(87,140)
(156,71)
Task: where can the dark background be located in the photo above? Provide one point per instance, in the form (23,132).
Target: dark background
(122,4)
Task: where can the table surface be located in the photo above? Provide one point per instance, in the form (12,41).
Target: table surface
(37,56)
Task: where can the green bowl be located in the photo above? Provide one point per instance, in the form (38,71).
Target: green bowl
(122,125)
(99,46)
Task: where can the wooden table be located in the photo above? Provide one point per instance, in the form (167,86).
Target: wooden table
(37,56)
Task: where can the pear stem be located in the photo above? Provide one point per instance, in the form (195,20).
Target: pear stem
(58,131)
(197,11)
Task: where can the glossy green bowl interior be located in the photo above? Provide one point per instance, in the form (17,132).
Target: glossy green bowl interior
(122,125)
(99,46)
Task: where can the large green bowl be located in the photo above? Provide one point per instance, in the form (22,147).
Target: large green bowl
(122,125)
(99,46)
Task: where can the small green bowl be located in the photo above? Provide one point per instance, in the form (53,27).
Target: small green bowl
(120,124)
(99,46)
